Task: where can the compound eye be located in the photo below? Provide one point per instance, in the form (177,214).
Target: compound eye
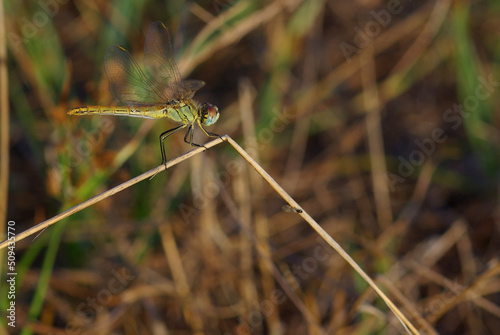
(209,114)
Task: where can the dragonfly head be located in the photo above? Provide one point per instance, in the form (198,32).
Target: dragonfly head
(209,114)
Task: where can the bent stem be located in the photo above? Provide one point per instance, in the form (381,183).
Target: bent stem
(298,209)
(324,235)
(110,192)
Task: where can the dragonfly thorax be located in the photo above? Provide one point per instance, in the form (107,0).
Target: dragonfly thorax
(209,114)
(157,92)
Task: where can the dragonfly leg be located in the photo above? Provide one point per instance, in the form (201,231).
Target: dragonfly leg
(190,133)
(163,136)
(209,134)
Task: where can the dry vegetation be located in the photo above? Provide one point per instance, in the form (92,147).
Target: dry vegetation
(378,117)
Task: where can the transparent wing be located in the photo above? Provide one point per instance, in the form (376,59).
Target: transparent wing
(161,68)
(128,83)
(187,88)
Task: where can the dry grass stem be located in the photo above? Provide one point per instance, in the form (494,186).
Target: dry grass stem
(324,235)
(4,124)
(114,190)
(298,209)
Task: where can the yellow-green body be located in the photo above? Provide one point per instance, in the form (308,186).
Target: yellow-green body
(155,93)
(181,112)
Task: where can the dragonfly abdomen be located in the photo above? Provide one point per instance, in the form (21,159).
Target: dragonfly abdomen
(149,112)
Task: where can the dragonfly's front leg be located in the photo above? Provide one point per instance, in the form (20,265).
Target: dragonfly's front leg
(163,136)
(209,134)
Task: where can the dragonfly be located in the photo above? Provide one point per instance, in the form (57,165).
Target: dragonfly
(156,92)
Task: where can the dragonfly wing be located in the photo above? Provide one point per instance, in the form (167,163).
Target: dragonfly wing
(127,82)
(187,88)
(159,61)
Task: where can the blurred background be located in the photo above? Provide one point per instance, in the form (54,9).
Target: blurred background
(378,117)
